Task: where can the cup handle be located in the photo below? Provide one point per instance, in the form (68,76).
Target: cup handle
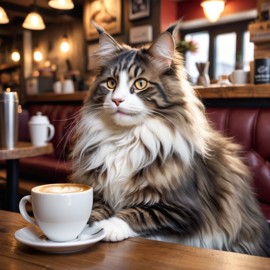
(51,132)
(23,211)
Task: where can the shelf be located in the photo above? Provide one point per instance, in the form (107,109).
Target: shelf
(9,66)
(234,91)
(212,92)
(52,97)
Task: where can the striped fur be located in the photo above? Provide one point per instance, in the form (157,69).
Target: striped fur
(157,167)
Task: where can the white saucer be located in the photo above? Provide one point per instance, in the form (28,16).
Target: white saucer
(33,237)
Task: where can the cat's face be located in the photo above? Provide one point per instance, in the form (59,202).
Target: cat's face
(128,85)
(123,102)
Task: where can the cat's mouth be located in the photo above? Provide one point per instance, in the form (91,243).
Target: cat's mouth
(125,112)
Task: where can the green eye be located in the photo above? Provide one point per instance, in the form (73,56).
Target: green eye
(140,84)
(111,83)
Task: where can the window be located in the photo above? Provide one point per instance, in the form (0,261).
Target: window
(226,46)
(248,51)
(225,52)
(202,54)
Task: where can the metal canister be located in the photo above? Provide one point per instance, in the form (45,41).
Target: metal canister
(8,120)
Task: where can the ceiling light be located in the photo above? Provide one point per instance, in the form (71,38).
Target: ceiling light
(213,9)
(61,4)
(64,46)
(38,56)
(3,16)
(15,56)
(33,21)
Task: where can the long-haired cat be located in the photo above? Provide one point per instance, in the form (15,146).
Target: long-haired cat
(157,167)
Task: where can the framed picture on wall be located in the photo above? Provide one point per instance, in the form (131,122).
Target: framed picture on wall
(139,9)
(105,13)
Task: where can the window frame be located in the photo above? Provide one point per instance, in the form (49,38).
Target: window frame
(239,27)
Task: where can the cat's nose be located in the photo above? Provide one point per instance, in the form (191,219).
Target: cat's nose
(117,101)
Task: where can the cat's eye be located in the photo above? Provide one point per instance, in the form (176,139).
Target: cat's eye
(140,84)
(111,83)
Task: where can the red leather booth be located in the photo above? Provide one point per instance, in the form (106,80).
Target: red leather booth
(251,129)
(248,127)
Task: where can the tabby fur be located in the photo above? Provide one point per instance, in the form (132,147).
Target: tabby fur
(158,168)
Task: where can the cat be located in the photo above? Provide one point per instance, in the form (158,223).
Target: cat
(158,168)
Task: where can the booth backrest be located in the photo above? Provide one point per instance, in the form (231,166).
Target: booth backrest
(251,129)
(62,116)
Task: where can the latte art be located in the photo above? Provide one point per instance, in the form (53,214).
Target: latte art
(61,188)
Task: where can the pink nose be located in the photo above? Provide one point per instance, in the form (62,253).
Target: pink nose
(117,101)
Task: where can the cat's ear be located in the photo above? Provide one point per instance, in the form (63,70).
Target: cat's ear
(163,48)
(107,44)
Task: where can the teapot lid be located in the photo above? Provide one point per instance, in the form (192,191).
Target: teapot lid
(39,119)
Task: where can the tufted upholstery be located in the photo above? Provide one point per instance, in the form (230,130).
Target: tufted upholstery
(54,167)
(251,129)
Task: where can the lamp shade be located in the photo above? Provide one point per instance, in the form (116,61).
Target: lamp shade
(33,21)
(3,16)
(213,9)
(61,4)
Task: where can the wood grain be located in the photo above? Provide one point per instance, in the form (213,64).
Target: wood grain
(212,92)
(134,253)
(239,91)
(25,149)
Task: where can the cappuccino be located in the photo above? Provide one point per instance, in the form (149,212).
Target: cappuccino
(61,211)
(61,188)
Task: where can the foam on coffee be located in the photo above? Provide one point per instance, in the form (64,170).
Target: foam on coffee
(61,188)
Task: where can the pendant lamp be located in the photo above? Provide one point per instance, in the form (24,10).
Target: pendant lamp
(3,16)
(61,4)
(33,20)
(213,9)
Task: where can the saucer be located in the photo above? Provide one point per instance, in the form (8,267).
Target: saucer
(33,237)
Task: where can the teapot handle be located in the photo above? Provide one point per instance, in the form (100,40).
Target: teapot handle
(51,132)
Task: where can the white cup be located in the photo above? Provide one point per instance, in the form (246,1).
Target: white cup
(61,211)
(57,87)
(68,87)
(41,131)
(239,77)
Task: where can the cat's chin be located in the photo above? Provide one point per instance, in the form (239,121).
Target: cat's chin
(124,119)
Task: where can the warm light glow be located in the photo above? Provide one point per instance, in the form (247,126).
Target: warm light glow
(3,16)
(64,46)
(38,56)
(213,9)
(61,4)
(15,56)
(33,21)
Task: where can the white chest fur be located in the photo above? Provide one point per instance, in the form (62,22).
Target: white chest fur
(122,152)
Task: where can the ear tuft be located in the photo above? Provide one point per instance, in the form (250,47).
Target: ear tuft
(107,44)
(162,50)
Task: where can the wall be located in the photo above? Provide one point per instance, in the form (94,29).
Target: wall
(169,13)
(49,40)
(191,9)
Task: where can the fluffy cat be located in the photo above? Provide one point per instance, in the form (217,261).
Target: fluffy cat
(157,167)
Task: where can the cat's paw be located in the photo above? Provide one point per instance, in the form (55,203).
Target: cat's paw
(116,229)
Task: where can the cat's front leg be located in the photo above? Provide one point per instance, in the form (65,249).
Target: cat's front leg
(116,229)
(100,211)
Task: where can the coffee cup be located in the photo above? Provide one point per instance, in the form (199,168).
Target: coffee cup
(61,210)
(41,131)
(68,87)
(239,77)
(57,87)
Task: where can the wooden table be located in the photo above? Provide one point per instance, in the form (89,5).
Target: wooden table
(12,156)
(134,253)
